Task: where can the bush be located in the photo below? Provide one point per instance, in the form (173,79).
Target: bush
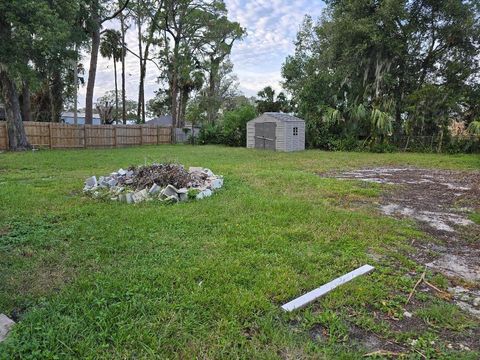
(231,130)
(467,145)
(234,132)
(209,134)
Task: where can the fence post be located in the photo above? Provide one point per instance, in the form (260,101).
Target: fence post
(50,135)
(114,136)
(158,134)
(85,136)
(141,134)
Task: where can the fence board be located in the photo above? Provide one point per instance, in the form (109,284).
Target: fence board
(38,134)
(65,136)
(3,136)
(164,135)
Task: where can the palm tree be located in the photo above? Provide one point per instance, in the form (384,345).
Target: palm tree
(111,48)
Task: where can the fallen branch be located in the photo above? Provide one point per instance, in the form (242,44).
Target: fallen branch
(444,293)
(422,278)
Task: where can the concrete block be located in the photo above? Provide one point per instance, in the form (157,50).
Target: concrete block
(154,189)
(129,198)
(170,190)
(122,172)
(5,325)
(112,182)
(172,199)
(140,196)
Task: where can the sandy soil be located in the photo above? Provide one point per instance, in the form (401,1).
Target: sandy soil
(440,201)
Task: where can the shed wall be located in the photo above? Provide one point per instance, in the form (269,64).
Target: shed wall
(285,140)
(295,142)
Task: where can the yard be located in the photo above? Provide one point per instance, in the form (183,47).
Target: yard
(205,279)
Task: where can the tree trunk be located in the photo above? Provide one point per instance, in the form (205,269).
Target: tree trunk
(183,107)
(56,97)
(212,101)
(140,61)
(17,138)
(92,70)
(26,103)
(75,91)
(174,86)
(116,90)
(124,110)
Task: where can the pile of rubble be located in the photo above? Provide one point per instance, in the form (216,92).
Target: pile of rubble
(164,182)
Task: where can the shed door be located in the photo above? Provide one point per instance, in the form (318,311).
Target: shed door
(265,135)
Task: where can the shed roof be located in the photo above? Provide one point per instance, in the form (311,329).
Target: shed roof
(282,116)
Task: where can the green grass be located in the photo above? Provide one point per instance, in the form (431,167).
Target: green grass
(199,279)
(445,316)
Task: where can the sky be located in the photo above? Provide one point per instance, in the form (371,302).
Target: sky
(271,27)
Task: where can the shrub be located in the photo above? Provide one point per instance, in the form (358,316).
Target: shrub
(234,123)
(210,134)
(231,130)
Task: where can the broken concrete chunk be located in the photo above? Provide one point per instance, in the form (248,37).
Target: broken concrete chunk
(5,325)
(91,181)
(216,183)
(204,193)
(170,190)
(171,199)
(154,189)
(142,183)
(195,169)
(140,196)
(208,172)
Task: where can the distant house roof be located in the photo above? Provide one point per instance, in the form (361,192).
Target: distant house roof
(164,120)
(71,114)
(282,116)
(68,118)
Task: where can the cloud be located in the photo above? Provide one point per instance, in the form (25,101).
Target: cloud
(271,27)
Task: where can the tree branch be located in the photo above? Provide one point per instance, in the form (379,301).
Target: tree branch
(116,13)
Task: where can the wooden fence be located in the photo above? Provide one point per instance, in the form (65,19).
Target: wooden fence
(64,136)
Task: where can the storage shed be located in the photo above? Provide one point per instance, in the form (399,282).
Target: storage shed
(276,131)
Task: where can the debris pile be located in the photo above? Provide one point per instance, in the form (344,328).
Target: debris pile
(170,183)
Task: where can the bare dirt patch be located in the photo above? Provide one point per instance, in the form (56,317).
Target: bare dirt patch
(440,201)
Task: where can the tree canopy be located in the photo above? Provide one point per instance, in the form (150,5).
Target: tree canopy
(386,69)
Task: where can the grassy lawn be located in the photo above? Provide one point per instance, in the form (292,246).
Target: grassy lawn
(205,279)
